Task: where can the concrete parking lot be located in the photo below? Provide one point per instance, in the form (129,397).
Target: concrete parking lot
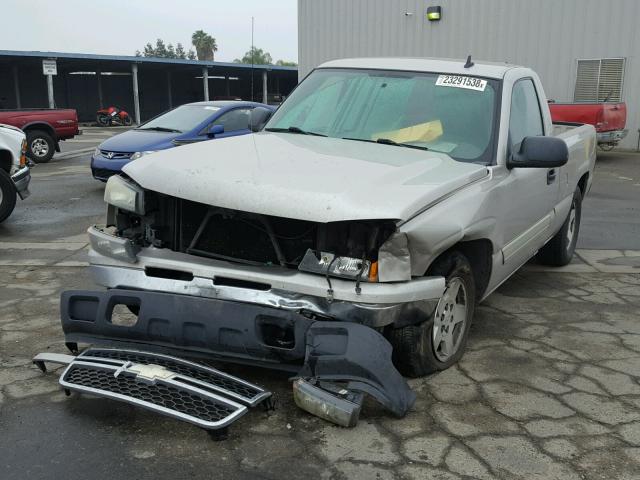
(549,387)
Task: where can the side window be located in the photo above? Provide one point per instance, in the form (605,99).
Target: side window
(526,119)
(237,119)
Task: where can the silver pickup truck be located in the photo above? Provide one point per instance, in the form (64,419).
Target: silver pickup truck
(353,235)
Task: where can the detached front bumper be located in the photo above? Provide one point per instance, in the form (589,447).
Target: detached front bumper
(21,180)
(343,352)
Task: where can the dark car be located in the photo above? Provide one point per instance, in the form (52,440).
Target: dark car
(189,123)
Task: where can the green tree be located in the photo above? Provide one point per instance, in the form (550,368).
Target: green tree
(165,51)
(256,56)
(180,53)
(204,44)
(161,50)
(149,51)
(285,63)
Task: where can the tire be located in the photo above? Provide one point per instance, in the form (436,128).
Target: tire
(126,120)
(40,146)
(103,120)
(8,196)
(607,147)
(560,249)
(420,349)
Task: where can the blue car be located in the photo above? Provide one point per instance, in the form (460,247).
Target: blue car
(192,122)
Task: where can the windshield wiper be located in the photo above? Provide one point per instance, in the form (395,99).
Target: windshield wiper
(160,129)
(293,129)
(387,141)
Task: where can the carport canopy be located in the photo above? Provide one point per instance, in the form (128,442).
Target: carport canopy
(143,86)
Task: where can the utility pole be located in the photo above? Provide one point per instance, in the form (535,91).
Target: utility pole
(252,53)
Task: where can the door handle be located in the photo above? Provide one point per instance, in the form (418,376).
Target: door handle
(551,176)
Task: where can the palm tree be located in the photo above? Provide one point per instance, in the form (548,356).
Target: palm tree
(205,45)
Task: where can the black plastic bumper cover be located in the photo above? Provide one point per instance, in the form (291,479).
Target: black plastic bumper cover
(233,331)
(348,352)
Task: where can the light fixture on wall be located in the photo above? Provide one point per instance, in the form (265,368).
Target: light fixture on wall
(434,14)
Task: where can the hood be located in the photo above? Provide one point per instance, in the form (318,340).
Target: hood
(139,141)
(305,177)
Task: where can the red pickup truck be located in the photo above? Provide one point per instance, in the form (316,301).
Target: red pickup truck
(608,118)
(45,128)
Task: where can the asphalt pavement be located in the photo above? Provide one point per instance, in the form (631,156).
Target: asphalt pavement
(548,389)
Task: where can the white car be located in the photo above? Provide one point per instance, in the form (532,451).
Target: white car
(14,171)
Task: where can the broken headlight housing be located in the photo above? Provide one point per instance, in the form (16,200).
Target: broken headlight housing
(124,194)
(326,263)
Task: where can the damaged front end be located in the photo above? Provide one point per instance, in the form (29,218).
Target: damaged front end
(309,297)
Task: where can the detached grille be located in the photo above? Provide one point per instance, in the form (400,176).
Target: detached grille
(168,385)
(159,395)
(243,391)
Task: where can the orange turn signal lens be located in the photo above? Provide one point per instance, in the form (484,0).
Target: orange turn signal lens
(23,154)
(373,272)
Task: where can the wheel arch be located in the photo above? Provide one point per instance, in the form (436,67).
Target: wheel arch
(41,126)
(582,184)
(6,160)
(479,252)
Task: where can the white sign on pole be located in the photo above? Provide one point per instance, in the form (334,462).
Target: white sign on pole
(49,67)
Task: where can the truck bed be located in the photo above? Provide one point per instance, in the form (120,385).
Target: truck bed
(605,117)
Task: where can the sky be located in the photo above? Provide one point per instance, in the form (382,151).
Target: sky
(120,27)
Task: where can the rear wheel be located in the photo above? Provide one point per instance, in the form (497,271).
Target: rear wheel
(40,146)
(560,249)
(8,196)
(439,342)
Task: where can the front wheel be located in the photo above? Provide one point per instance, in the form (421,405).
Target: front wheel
(560,249)
(126,120)
(439,342)
(8,196)
(103,120)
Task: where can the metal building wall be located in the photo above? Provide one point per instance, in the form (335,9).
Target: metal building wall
(547,35)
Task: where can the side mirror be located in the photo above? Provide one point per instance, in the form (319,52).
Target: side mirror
(540,152)
(258,118)
(215,130)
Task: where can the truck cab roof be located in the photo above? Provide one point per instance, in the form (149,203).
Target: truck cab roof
(453,66)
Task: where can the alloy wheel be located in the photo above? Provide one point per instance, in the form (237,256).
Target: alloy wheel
(450,320)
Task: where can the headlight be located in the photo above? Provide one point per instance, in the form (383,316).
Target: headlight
(336,266)
(137,155)
(124,194)
(96,152)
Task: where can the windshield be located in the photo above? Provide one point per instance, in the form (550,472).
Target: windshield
(181,119)
(438,112)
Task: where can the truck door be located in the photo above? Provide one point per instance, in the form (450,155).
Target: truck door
(530,193)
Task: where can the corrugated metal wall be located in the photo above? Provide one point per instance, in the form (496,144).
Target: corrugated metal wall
(547,35)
